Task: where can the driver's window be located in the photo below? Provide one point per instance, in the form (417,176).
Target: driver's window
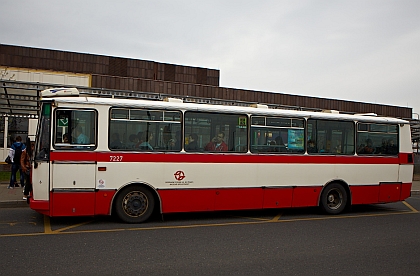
(75,129)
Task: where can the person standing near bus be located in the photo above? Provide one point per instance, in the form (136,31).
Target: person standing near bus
(217,143)
(25,163)
(15,154)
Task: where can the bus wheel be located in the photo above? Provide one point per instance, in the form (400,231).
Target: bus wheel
(333,199)
(134,204)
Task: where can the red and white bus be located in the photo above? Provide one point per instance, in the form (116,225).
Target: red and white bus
(96,156)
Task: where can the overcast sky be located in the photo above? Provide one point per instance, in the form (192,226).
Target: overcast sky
(358,50)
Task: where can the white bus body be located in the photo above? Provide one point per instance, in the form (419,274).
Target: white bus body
(256,172)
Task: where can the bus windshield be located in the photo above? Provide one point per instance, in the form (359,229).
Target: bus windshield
(42,150)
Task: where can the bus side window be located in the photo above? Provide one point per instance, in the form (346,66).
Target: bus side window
(231,128)
(330,137)
(144,129)
(377,139)
(277,135)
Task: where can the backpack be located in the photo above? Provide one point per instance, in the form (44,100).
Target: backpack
(18,153)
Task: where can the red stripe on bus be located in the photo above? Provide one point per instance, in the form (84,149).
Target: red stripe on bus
(406,158)
(217,199)
(222,158)
(405,190)
(382,193)
(197,200)
(41,206)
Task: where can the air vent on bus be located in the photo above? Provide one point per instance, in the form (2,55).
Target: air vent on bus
(366,114)
(259,106)
(331,111)
(173,100)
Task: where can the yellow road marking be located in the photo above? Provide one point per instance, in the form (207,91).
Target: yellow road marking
(10,223)
(47,225)
(72,226)
(46,232)
(410,207)
(262,219)
(276,218)
(49,231)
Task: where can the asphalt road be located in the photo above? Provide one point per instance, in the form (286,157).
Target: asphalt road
(369,240)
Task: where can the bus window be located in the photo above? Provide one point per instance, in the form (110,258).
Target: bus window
(277,135)
(144,130)
(75,129)
(330,137)
(377,139)
(215,132)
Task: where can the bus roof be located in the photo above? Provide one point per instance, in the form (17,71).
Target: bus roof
(259,110)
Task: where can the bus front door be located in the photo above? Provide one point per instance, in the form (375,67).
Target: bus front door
(41,187)
(40,196)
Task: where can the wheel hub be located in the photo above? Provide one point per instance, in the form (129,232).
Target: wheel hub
(335,199)
(135,204)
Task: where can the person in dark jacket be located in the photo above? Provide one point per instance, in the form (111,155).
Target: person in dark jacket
(25,163)
(192,142)
(15,153)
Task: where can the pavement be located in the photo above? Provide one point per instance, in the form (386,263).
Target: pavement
(11,198)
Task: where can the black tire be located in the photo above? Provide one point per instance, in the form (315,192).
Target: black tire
(333,199)
(134,204)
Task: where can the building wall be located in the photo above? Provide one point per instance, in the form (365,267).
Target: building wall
(35,58)
(45,76)
(148,76)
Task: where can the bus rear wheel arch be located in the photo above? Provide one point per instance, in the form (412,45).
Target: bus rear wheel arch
(134,204)
(334,198)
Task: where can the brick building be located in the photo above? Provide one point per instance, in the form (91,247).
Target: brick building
(25,71)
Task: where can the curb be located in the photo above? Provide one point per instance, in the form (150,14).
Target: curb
(14,204)
(415,192)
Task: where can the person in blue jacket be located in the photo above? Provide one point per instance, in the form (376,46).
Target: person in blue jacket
(15,154)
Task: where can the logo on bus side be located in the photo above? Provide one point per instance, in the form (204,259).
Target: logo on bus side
(179,177)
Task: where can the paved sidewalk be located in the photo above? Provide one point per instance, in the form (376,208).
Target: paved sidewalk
(13,197)
(415,189)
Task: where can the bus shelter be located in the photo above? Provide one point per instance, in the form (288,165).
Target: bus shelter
(19,106)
